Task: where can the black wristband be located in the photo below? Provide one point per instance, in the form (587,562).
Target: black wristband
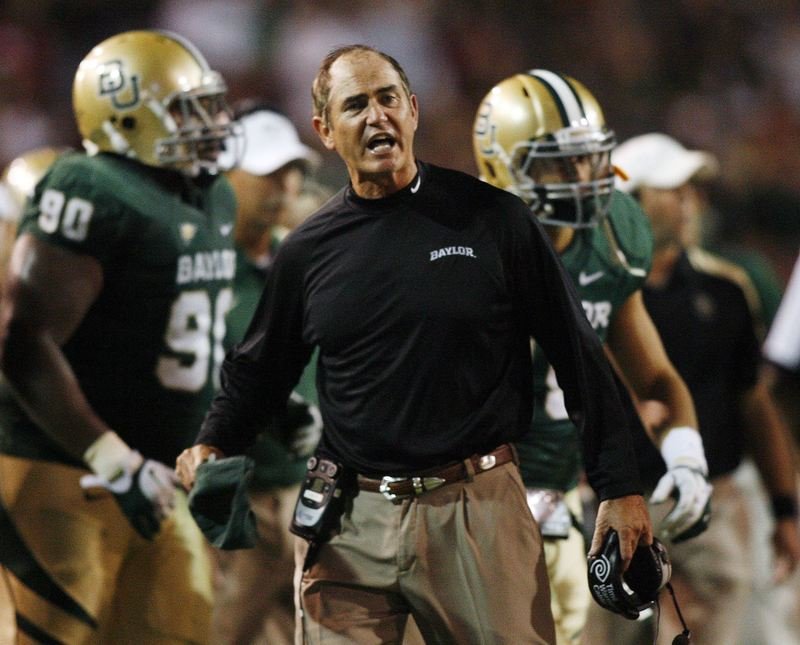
(784,507)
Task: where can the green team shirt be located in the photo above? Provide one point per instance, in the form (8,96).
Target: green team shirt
(147,352)
(550,452)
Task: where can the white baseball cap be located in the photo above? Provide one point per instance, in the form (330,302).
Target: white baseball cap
(659,161)
(269,142)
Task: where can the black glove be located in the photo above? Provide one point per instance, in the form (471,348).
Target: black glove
(145,492)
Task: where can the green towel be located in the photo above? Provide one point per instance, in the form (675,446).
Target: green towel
(220,505)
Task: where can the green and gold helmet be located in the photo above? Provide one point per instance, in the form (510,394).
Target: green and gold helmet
(151,95)
(541,124)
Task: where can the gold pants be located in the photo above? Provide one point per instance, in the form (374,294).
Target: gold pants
(79,573)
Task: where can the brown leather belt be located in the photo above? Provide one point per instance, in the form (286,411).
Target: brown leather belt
(396,489)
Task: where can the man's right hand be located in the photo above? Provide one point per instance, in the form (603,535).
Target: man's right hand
(188,461)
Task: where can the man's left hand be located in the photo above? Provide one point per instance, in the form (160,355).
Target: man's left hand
(629,518)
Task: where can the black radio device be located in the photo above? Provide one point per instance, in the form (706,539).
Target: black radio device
(320,502)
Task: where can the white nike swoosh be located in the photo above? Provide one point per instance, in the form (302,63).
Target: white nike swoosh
(584,278)
(415,187)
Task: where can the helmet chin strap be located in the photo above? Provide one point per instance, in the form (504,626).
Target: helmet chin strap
(118,142)
(618,253)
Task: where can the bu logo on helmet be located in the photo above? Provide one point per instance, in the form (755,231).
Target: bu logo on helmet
(113,81)
(485,130)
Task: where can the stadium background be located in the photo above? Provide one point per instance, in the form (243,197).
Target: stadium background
(722,75)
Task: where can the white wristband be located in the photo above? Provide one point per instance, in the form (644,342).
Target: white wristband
(683,446)
(109,456)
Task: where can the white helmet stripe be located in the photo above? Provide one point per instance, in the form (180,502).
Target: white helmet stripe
(563,92)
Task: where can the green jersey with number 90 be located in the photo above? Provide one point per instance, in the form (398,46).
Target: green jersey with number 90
(147,351)
(550,452)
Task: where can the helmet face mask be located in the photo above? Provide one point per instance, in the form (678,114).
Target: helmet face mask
(151,96)
(202,121)
(542,136)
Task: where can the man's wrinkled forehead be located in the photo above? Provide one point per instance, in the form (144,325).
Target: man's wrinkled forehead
(362,72)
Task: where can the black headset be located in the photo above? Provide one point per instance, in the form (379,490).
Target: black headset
(638,587)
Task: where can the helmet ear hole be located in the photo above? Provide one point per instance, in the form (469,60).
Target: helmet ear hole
(129,123)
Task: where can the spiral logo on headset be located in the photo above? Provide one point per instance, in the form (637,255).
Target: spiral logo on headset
(600,568)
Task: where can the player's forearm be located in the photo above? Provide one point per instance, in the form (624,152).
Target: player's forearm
(769,442)
(673,393)
(48,390)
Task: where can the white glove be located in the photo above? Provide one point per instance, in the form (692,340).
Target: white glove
(144,489)
(686,480)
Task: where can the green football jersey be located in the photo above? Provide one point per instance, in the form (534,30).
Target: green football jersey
(550,452)
(148,350)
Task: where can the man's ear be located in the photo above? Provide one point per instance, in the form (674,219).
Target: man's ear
(324,132)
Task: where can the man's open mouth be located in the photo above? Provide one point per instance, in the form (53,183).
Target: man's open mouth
(381,143)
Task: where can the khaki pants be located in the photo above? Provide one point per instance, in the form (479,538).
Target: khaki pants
(465,559)
(79,573)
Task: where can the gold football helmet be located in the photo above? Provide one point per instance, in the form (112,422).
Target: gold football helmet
(151,95)
(22,174)
(542,136)
(17,182)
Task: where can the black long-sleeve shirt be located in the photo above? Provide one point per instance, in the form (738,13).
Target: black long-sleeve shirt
(423,304)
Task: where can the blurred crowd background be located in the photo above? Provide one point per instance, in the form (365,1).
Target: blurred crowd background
(720,75)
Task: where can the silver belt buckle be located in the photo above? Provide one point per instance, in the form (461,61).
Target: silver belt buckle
(486,462)
(384,487)
(420,484)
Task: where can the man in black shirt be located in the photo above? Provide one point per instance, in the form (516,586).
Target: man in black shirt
(422,288)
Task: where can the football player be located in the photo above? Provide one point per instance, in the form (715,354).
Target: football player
(542,136)
(112,331)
